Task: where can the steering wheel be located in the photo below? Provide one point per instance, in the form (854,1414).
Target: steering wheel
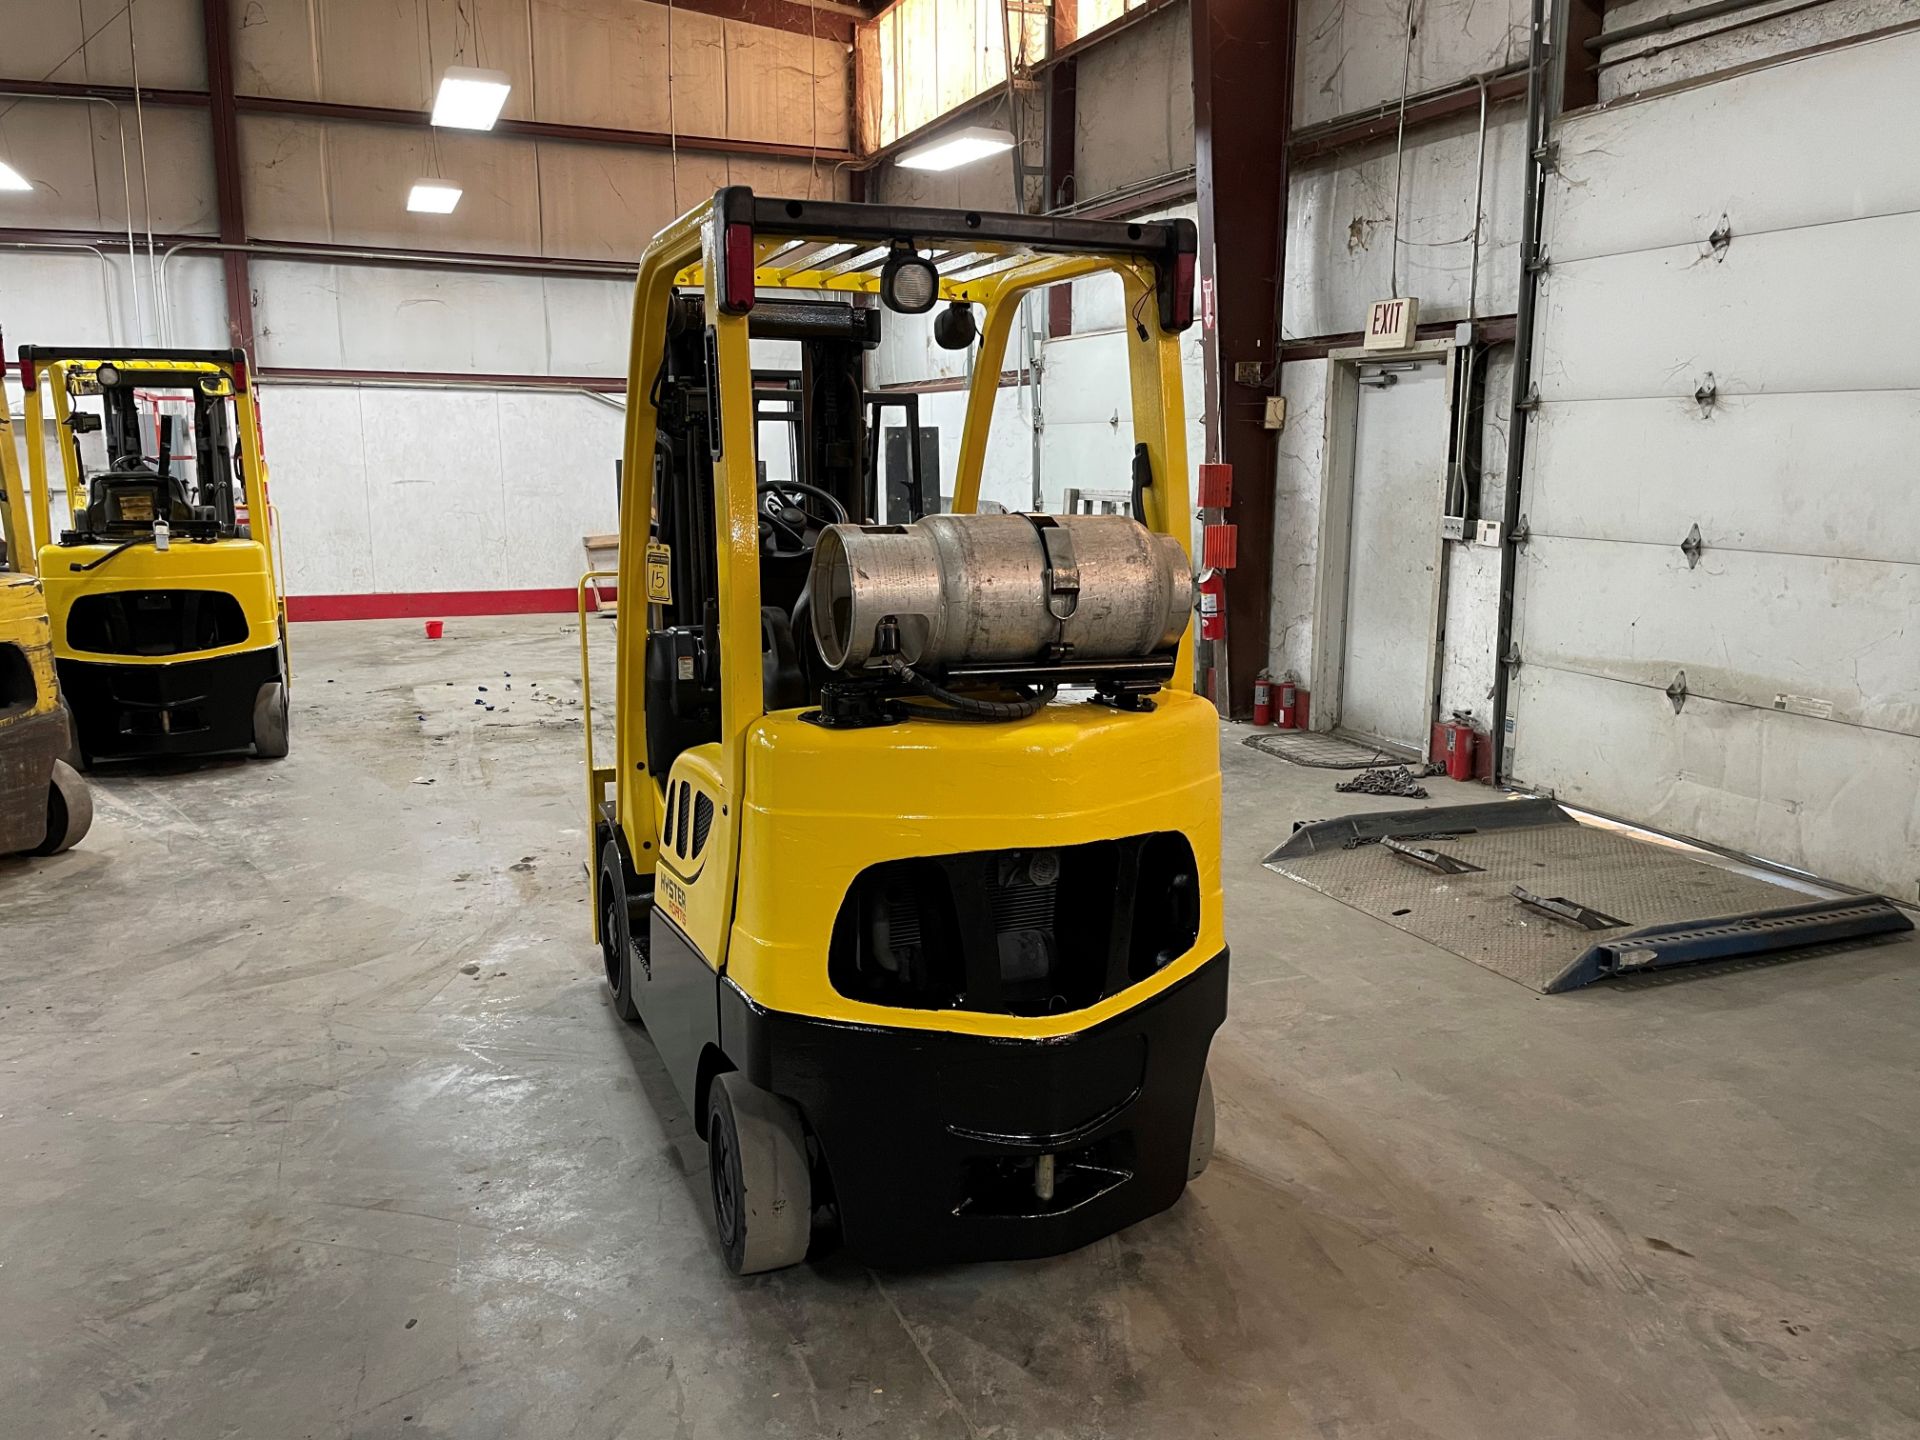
(782,519)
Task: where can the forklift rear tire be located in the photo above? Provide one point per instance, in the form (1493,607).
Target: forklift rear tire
(69,810)
(757,1165)
(616,934)
(1200,1148)
(270,721)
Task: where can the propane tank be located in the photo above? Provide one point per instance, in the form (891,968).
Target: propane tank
(1263,699)
(1212,586)
(1457,742)
(956,589)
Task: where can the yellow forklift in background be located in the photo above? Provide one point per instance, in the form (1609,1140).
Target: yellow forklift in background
(169,627)
(907,853)
(45,806)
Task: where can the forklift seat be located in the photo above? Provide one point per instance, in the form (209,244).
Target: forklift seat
(106,511)
(783,683)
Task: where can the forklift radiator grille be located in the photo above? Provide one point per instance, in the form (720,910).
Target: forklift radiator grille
(1017,932)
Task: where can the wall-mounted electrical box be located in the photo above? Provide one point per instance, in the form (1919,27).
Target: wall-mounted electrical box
(1276,417)
(1489,532)
(1453,527)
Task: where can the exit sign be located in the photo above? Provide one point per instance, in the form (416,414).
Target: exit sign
(1391,323)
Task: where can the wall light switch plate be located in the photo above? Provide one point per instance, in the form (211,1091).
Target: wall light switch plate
(1489,532)
(1276,418)
(1453,527)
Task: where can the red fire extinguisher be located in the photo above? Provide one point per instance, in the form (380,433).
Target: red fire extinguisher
(1262,699)
(1212,586)
(1288,717)
(1457,742)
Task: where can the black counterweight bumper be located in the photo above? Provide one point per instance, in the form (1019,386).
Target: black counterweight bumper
(933,1138)
(184,707)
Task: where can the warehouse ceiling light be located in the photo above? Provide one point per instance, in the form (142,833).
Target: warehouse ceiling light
(957,148)
(12,179)
(433,197)
(470,99)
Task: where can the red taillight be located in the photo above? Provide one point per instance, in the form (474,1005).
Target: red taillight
(27,377)
(1183,290)
(240,373)
(736,279)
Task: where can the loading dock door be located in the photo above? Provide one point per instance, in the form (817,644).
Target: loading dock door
(1726,346)
(1399,451)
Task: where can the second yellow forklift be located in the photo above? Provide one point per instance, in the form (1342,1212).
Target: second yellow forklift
(169,626)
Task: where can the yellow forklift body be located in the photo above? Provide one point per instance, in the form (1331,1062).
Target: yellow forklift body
(825,805)
(194,695)
(979,1125)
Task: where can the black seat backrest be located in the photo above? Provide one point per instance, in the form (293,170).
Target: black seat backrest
(783,684)
(128,498)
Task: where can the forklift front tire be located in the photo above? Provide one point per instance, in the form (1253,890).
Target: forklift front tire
(757,1165)
(616,934)
(69,810)
(270,721)
(1200,1148)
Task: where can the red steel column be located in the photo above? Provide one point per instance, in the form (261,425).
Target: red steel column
(1242,113)
(226,171)
(1063,125)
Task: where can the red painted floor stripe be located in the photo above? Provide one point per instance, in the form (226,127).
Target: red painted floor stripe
(434,604)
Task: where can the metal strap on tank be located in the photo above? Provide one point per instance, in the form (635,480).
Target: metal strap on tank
(1063,569)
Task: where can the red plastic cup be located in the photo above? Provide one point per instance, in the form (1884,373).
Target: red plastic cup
(435,629)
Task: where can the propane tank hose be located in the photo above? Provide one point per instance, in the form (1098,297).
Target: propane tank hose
(967,707)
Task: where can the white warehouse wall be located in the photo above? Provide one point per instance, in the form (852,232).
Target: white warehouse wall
(395,488)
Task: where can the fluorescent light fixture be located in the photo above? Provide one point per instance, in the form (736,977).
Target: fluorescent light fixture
(470,99)
(957,148)
(12,179)
(433,197)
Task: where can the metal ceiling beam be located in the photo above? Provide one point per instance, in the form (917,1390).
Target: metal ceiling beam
(1243,111)
(1381,124)
(386,115)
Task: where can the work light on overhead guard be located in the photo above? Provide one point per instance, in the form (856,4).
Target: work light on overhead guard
(12,179)
(470,99)
(433,197)
(957,148)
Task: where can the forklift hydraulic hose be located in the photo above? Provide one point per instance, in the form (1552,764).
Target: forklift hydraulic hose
(966,707)
(78,568)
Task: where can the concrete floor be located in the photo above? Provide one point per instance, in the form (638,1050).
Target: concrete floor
(314,1122)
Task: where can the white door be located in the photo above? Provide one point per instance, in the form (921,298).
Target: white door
(1726,348)
(1399,460)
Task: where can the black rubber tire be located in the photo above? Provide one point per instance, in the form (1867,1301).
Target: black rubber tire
(616,934)
(69,810)
(1200,1147)
(270,721)
(757,1169)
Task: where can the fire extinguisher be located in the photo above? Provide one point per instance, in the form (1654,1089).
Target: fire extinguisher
(1212,586)
(1289,716)
(1457,742)
(1262,699)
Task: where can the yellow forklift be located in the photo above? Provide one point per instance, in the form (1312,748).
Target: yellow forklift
(169,627)
(45,806)
(907,854)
